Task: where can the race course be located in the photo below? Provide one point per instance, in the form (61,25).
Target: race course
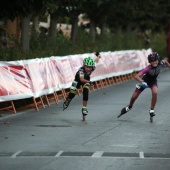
(53,139)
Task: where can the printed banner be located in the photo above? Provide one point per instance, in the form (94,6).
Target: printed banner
(37,77)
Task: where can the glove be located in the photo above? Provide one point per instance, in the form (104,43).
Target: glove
(142,85)
(88,84)
(97,54)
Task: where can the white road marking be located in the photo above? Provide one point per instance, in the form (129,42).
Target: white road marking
(15,154)
(141,155)
(10,115)
(58,154)
(129,146)
(97,154)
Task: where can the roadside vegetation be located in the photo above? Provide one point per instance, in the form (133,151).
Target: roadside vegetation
(124,25)
(43,46)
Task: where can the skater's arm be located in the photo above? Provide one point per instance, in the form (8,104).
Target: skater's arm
(166,63)
(84,80)
(138,77)
(98,56)
(141,73)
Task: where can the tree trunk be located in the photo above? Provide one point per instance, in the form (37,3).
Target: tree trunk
(35,23)
(74,30)
(53,24)
(25,31)
(92,30)
(103,30)
(103,27)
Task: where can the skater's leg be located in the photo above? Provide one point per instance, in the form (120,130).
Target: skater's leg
(85,94)
(73,91)
(70,96)
(85,99)
(154,96)
(135,95)
(154,89)
(132,101)
(84,103)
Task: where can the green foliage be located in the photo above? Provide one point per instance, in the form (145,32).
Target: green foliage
(42,46)
(11,9)
(158,43)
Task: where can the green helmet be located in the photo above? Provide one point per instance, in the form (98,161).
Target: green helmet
(89,62)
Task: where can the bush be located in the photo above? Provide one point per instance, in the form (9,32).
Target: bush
(43,46)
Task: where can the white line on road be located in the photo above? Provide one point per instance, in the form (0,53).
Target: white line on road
(141,155)
(58,154)
(15,154)
(11,115)
(97,154)
(129,146)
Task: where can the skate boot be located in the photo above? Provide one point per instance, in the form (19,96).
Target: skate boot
(84,113)
(124,110)
(66,103)
(152,114)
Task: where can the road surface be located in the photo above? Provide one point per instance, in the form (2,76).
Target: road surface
(55,140)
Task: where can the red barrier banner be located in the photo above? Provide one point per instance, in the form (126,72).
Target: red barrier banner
(14,82)
(120,63)
(37,77)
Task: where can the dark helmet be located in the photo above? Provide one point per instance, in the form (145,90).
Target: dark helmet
(153,57)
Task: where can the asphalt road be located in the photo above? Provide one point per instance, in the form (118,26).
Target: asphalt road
(55,140)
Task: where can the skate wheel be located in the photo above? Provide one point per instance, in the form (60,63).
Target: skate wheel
(151,119)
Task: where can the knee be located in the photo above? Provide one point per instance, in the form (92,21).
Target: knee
(72,94)
(154,94)
(85,94)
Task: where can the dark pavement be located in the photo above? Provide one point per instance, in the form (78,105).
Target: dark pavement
(55,140)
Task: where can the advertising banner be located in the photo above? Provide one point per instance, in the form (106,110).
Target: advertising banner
(37,77)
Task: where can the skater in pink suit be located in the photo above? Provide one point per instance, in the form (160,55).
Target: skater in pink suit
(147,78)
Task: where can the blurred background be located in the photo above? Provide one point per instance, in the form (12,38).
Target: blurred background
(43,28)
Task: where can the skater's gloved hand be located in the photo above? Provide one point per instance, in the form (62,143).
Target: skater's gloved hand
(89,83)
(144,85)
(97,54)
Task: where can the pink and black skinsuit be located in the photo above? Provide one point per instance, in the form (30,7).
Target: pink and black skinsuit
(150,75)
